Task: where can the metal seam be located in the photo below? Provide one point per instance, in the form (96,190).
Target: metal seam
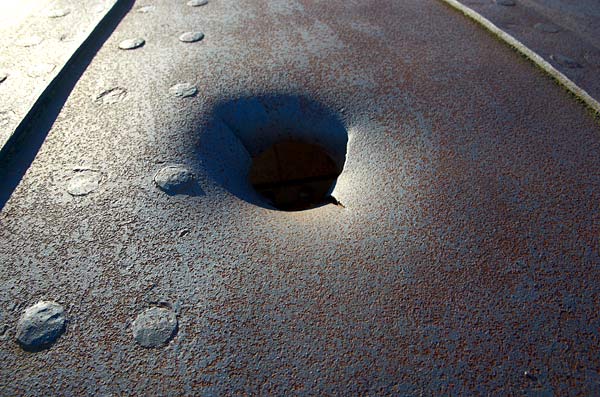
(540,62)
(18,133)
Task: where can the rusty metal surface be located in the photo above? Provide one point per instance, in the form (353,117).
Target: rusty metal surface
(466,259)
(566,33)
(37,39)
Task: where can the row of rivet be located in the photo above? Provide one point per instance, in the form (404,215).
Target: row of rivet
(43,323)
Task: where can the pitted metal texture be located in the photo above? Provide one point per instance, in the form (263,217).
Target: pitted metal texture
(466,259)
(565,33)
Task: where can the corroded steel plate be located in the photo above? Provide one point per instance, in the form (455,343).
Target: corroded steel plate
(465,258)
(566,33)
(37,40)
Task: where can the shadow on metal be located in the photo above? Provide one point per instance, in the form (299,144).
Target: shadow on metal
(21,149)
(241,129)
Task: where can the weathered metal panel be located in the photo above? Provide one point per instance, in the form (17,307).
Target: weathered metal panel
(466,259)
(566,33)
(37,39)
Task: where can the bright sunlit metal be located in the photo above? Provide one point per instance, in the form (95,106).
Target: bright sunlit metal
(14,11)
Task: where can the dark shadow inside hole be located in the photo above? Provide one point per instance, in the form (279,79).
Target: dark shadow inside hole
(237,131)
(294,175)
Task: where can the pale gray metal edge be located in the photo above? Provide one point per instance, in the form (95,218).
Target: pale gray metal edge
(15,135)
(567,83)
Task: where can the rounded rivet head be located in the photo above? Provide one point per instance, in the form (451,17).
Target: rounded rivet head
(131,44)
(174,179)
(183,90)
(41,325)
(7,117)
(565,61)
(546,28)
(111,96)
(593,58)
(84,182)
(154,327)
(40,69)
(30,41)
(57,13)
(191,37)
(146,9)
(197,3)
